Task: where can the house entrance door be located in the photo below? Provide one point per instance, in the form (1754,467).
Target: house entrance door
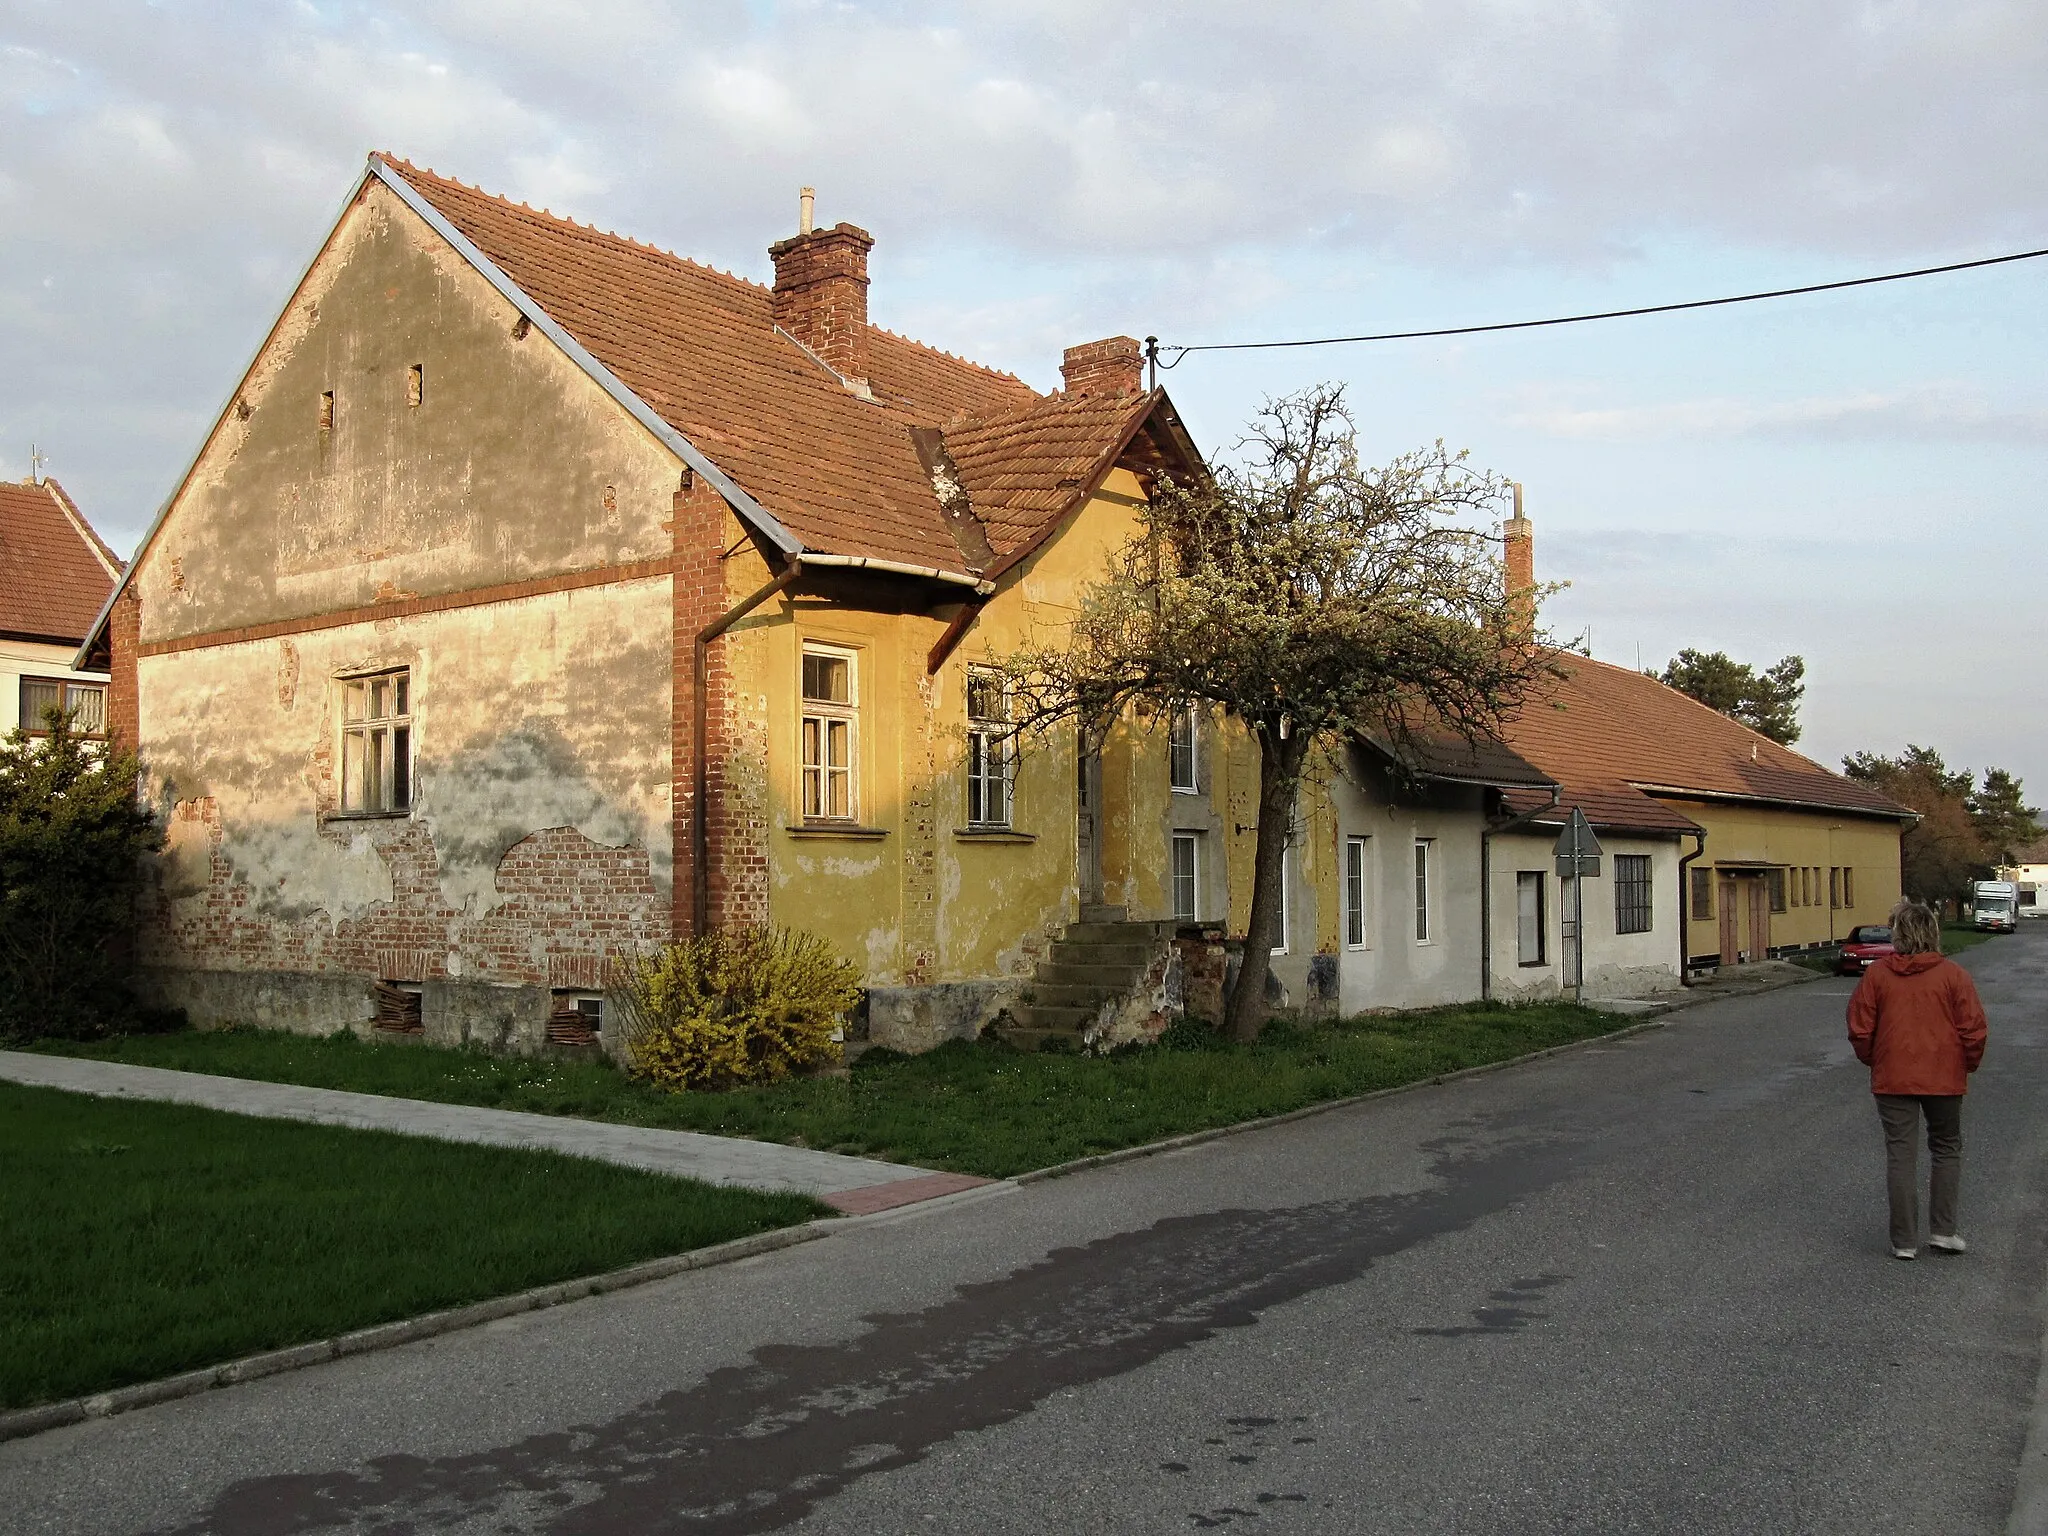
(1731,930)
(1087,824)
(1759,917)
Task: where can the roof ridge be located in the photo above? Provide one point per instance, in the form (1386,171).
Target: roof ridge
(1769,741)
(80,522)
(407,168)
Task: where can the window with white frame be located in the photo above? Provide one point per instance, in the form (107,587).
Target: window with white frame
(376,743)
(830,734)
(1286,896)
(1187,876)
(990,761)
(1354,892)
(1531,925)
(1180,752)
(1424,852)
(85,704)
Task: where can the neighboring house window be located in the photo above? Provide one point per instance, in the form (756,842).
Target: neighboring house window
(829,739)
(1531,928)
(989,757)
(85,703)
(1632,893)
(1354,893)
(1187,869)
(376,743)
(1422,861)
(1775,879)
(1702,894)
(1180,752)
(1848,887)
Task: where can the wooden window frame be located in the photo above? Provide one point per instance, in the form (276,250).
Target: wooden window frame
(1191,910)
(815,768)
(991,757)
(1700,899)
(1183,752)
(1357,886)
(385,745)
(32,723)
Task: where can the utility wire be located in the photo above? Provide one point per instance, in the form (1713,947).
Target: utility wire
(1154,349)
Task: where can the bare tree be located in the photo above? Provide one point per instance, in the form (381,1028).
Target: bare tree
(1311,598)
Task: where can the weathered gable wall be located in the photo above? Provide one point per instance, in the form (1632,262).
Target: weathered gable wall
(513,463)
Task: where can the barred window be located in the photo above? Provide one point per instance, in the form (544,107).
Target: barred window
(376,743)
(1532,926)
(830,720)
(1632,893)
(990,760)
(1702,894)
(1180,752)
(84,703)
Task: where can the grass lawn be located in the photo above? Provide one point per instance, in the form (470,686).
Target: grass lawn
(1955,937)
(966,1108)
(144,1239)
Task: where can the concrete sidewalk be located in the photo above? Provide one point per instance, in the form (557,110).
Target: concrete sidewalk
(856,1185)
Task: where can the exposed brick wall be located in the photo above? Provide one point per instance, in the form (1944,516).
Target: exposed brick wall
(736,812)
(566,904)
(124,638)
(1112,366)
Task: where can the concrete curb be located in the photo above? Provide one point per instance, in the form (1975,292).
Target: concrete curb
(18,1423)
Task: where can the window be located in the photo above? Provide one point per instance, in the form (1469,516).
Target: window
(1632,893)
(376,744)
(1702,894)
(416,384)
(1774,881)
(1835,888)
(85,703)
(1531,928)
(1422,848)
(1848,887)
(989,756)
(828,735)
(1187,867)
(326,410)
(1286,895)
(1180,752)
(1354,892)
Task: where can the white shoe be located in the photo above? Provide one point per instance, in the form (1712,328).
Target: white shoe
(1949,1245)
(1905,1253)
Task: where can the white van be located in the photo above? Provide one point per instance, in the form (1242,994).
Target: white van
(1994,905)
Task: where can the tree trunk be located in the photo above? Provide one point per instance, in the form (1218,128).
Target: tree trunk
(1279,787)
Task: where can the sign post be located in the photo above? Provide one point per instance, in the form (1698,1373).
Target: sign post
(1578,860)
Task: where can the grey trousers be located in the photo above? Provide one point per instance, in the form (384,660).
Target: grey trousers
(1901,1116)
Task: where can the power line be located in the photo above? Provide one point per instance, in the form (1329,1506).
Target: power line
(1179,353)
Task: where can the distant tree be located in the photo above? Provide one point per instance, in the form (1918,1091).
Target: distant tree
(1309,597)
(73,843)
(1965,829)
(1766,701)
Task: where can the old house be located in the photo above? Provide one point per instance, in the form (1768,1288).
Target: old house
(55,574)
(539,594)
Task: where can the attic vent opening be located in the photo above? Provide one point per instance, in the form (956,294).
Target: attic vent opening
(326,410)
(398,1008)
(416,384)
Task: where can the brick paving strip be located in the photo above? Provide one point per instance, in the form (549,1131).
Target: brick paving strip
(856,1185)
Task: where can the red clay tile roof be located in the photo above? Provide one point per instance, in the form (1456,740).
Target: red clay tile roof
(1608,733)
(55,571)
(700,347)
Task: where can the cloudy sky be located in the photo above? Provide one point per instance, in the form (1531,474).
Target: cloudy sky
(1857,477)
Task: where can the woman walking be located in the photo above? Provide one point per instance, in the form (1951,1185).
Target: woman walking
(1916,1022)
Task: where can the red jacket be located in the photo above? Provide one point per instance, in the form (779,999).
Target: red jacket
(1916,1022)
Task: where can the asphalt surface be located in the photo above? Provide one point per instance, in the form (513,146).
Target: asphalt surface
(1641,1287)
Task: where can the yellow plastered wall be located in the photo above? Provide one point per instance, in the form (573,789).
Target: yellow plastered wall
(1744,836)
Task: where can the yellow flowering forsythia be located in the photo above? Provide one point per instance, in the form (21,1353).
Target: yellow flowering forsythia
(747,1006)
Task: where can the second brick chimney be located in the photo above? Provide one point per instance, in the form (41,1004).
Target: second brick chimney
(821,294)
(1113,366)
(1518,554)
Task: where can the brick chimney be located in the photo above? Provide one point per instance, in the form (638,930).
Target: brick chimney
(1518,553)
(1113,366)
(821,292)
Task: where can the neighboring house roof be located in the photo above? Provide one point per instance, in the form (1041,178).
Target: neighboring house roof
(55,571)
(1450,758)
(842,472)
(1616,740)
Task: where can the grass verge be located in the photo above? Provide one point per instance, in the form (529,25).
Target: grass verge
(966,1108)
(146,1239)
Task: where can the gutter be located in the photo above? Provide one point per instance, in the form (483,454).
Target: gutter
(1486,886)
(980,584)
(1699,838)
(700,837)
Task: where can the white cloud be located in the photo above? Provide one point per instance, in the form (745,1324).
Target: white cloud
(1928,414)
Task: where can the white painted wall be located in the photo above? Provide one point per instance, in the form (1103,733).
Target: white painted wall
(1617,964)
(23,658)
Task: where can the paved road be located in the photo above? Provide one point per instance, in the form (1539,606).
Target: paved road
(1638,1288)
(855,1184)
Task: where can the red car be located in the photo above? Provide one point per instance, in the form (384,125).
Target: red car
(1863,946)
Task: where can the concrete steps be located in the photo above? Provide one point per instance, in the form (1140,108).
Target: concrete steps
(1093,964)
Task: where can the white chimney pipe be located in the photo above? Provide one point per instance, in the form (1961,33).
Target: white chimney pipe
(806,198)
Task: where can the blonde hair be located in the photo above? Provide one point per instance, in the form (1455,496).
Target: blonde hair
(1915,929)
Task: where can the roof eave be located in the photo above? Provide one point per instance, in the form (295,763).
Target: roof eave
(1897,813)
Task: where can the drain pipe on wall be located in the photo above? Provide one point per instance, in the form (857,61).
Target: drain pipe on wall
(1699,846)
(1486,887)
(700,839)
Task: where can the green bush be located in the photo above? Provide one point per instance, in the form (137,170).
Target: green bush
(751,1005)
(73,840)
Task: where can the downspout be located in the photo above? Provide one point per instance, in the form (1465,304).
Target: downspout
(700,838)
(1699,840)
(1486,887)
